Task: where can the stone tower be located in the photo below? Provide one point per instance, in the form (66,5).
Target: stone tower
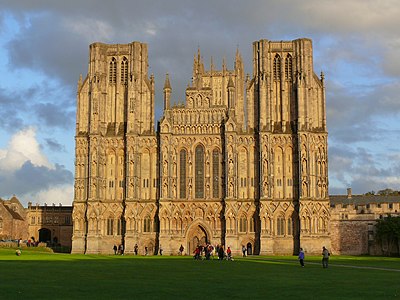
(286,106)
(116,151)
(242,162)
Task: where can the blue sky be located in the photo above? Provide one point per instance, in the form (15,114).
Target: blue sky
(44,48)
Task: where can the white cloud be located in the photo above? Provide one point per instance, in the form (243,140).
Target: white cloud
(89,28)
(26,172)
(23,147)
(63,194)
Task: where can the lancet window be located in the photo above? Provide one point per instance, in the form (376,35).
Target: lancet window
(124,71)
(277,67)
(288,67)
(243,224)
(280,226)
(147,224)
(113,71)
(289,226)
(110,226)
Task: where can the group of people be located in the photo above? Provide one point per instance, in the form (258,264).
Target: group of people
(325,257)
(207,251)
(118,250)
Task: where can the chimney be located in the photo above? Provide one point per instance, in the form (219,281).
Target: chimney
(348,193)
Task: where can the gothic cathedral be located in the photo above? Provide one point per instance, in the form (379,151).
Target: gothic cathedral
(243,162)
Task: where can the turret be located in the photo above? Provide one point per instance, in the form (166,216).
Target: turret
(231,94)
(167,92)
(198,70)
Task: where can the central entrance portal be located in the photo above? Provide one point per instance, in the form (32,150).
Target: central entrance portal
(197,236)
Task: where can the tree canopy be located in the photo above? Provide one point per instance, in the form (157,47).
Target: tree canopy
(388,233)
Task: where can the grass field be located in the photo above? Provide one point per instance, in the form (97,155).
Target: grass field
(39,274)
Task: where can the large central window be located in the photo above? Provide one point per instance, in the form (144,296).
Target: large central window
(199,172)
(215,173)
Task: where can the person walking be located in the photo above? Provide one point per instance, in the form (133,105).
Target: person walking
(325,257)
(136,249)
(301,257)
(181,250)
(221,252)
(115,249)
(229,253)
(244,250)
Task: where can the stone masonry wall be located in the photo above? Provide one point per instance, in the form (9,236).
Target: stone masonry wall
(349,237)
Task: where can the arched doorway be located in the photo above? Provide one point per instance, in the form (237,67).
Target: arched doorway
(249,249)
(196,236)
(44,235)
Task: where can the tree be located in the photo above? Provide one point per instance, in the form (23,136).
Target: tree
(388,233)
(388,192)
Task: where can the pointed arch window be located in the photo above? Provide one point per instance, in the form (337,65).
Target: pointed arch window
(199,172)
(182,174)
(289,226)
(147,224)
(124,71)
(215,173)
(113,71)
(243,224)
(288,67)
(110,226)
(280,228)
(277,67)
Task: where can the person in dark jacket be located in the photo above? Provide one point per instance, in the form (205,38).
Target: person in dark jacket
(325,257)
(221,252)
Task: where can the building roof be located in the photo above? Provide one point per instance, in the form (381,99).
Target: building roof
(363,199)
(13,213)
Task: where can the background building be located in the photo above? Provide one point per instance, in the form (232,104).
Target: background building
(353,219)
(242,162)
(50,224)
(13,224)
(43,224)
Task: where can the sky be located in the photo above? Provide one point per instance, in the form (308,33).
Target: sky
(44,46)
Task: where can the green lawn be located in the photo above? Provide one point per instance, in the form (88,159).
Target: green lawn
(45,275)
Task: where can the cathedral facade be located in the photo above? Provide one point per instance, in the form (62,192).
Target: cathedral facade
(243,162)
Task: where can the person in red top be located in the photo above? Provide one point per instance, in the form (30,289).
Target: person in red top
(197,253)
(229,253)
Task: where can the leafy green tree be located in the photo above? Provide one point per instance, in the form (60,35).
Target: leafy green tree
(388,233)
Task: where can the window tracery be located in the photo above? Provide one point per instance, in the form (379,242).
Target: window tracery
(215,173)
(182,174)
(113,71)
(288,67)
(124,71)
(199,172)
(277,67)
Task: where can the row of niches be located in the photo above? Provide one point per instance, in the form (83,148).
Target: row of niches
(196,116)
